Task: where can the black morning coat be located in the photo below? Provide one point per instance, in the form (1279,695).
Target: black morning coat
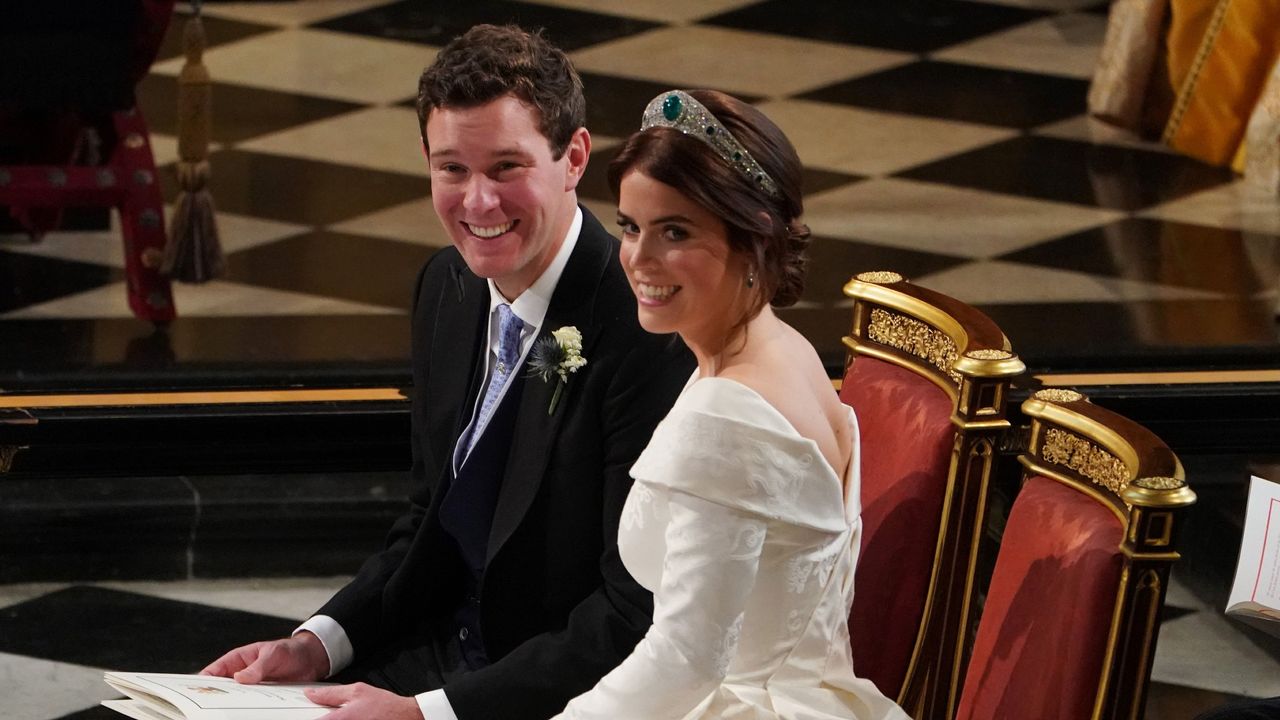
(558,608)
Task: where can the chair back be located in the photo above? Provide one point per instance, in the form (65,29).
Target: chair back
(1069,627)
(927,376)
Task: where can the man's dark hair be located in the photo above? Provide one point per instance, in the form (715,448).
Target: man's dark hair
(489,61)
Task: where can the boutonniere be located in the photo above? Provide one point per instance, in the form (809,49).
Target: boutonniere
(559,355)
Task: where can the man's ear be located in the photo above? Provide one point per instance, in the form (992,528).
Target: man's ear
(577,152)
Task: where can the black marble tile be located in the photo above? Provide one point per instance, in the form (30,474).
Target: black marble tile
(833,262)
(106,628)
(31,279)
(336,265)
(96,712)
(239,112)
(217,31)
(1072,171)
(813,180)
(438,22)
(595,183)
(1167,253)
(1166,701)
(298,190)
(907,25)
(1170,612)
(72,528)
(968,93)
(614,104)
(208,352)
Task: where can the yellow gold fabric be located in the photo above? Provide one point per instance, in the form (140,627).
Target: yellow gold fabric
(1219,58)
(1195,73)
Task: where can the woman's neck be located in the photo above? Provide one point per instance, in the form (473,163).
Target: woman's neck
(717,353)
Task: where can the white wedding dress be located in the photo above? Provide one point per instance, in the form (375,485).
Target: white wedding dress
(748,540)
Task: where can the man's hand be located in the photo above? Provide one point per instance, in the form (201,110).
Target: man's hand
(361,702)
(300,658)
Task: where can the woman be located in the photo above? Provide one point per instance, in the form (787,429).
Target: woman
(743,519)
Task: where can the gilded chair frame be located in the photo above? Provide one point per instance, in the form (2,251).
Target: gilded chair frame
(965,354)
(1126,468)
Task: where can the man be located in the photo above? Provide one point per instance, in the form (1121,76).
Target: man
(501,595)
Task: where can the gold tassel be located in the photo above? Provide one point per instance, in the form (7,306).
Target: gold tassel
(194,252)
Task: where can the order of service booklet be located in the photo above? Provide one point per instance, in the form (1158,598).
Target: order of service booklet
(1255,594)
(163,696)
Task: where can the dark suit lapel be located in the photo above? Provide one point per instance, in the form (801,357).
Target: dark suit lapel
(459,332)
(535,430)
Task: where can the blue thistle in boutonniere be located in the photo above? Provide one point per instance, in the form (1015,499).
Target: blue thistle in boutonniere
(558,355)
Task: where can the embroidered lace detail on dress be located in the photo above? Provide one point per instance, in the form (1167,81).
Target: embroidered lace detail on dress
(723,652)
(637,506)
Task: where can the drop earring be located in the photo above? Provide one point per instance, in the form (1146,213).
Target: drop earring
(751,278)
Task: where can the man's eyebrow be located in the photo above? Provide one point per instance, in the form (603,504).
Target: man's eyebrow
(499,153)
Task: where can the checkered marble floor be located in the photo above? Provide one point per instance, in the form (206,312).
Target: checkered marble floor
(943,139)
(57,639)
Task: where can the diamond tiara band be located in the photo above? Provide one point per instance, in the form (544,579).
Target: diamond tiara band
(678,110)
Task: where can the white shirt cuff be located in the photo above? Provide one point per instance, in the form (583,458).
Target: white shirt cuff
(334,639)
(435,706)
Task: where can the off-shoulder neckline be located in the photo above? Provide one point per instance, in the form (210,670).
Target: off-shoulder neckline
(843,480)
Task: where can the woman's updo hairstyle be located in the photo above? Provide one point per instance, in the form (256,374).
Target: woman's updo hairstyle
(762,227)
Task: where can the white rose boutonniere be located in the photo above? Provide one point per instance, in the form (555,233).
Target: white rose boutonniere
(558,355)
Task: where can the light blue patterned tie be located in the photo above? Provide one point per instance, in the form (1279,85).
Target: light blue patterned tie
(509,329)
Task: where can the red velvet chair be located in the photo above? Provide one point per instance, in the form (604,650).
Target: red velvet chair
(70,132)
(1069,628)
(927,376)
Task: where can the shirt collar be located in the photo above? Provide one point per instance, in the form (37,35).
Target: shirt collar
(531,305)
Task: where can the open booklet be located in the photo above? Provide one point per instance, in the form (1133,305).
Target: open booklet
(1255,594)
(162,696)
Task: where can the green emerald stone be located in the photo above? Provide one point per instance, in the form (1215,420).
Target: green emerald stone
(671,107)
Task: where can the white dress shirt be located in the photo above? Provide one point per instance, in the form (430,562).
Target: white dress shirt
(531,307)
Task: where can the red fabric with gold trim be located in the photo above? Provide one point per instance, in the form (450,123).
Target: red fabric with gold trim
(905,424)
(1042,638)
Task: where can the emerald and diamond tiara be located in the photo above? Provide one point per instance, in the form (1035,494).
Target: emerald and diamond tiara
(678,110)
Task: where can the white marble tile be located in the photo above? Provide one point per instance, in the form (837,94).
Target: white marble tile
(665,11)
(236,232)
(415,221)
(218,298)
(304,60)
(34,689)
(1238,206)
(22,592)
(296,598)
(867,142)
(945,219)
(165,148)
(1092,130)
(733,60)
(993,282)
(381,138)
(1059,45)
(288,14)
(1204,650)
